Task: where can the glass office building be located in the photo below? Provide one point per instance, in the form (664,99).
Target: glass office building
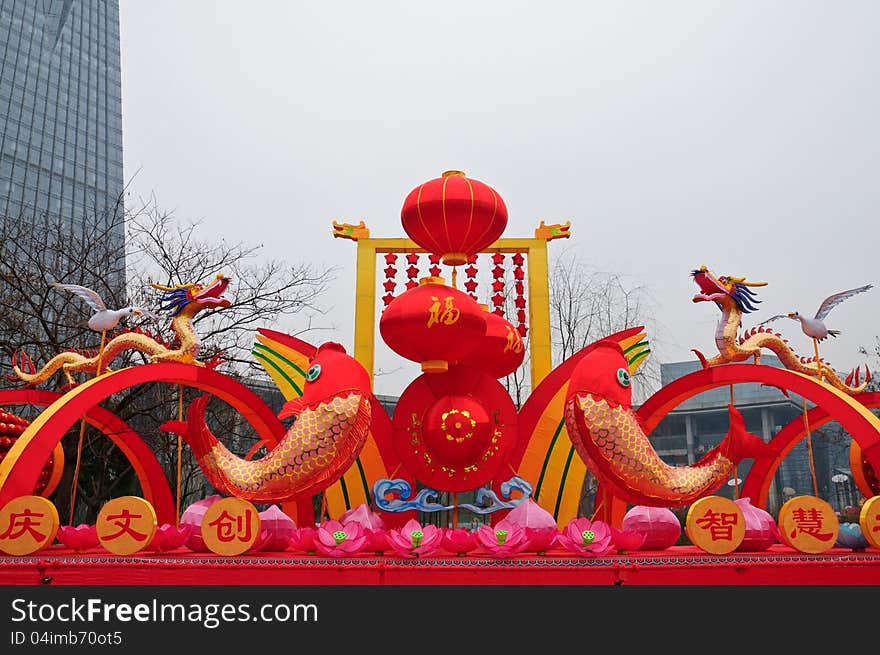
(61,112)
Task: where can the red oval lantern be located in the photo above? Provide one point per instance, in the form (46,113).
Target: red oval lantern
(502,349)
(454,216)
(454,431)
(433,324)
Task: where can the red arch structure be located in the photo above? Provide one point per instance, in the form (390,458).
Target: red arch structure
(831,404)
(757,482)
(19,471)
(153,481)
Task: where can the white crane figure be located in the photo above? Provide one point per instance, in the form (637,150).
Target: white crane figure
(102,319)
(815,327)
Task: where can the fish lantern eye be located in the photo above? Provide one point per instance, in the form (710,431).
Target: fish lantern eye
(623,377)
(313,373)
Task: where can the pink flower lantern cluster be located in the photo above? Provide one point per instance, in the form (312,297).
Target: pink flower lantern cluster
(585,537)
(82,537)
(538,524)
(276,530)
(415,539)
(659,525)
(505,539)
(334,539)
(373,526)
(192,518)
(761,530)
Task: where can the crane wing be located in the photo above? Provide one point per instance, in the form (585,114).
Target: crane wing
(773,318)
(90,296)
(833,301)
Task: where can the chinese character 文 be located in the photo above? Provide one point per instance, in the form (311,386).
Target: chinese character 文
(230,527)
(809,521)
(123,522)
(22,523)
(719,524)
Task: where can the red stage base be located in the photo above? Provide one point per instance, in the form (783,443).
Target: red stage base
(679,565)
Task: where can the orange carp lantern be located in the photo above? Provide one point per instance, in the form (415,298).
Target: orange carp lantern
(501,350)
(433,324)
(454,216)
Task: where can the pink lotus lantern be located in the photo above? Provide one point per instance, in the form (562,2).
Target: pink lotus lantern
(761,530)
(337,540)
(624,540)
(82,537)
(192,517)
(169,537)
(660,526)
(363,515)
(458,540)
(279,529)
(415,539)
(377,541)
(529,514)
(586,537)
(504,539)
(303,540)
(539,525)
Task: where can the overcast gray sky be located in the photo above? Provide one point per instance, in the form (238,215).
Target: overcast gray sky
(740,135)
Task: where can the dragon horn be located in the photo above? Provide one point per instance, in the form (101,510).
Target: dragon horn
(179,286)
(742,281)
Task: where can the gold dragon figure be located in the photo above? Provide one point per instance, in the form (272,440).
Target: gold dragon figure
(735,298)
(183,302)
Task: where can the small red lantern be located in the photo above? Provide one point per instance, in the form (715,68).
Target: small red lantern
(433,324)
(454,216)
(501,351)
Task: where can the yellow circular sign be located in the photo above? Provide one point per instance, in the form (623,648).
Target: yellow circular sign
(715,524)
(869,521)
(27,524)
(126,525)
(808,524)
(230,526)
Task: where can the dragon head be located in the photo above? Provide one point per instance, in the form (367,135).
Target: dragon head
(726,291)
(194,297)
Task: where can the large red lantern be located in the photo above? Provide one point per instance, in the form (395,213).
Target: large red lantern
(433,324)
(502,349)
(454,431)
(454,216)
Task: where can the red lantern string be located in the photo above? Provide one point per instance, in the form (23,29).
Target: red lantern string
(519,288)
(498,272)
(471,271)
(390,273)
(412,271)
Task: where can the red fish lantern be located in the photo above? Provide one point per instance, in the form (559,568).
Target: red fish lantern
(502,349)
(433,324)
(454,216)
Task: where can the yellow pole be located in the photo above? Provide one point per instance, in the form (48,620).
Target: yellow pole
(79,444)
(735,469)
(179,450)
(818,361)
(365,305)
(540,349)
(810,451)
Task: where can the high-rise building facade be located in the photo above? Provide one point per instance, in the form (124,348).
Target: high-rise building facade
(61,112)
